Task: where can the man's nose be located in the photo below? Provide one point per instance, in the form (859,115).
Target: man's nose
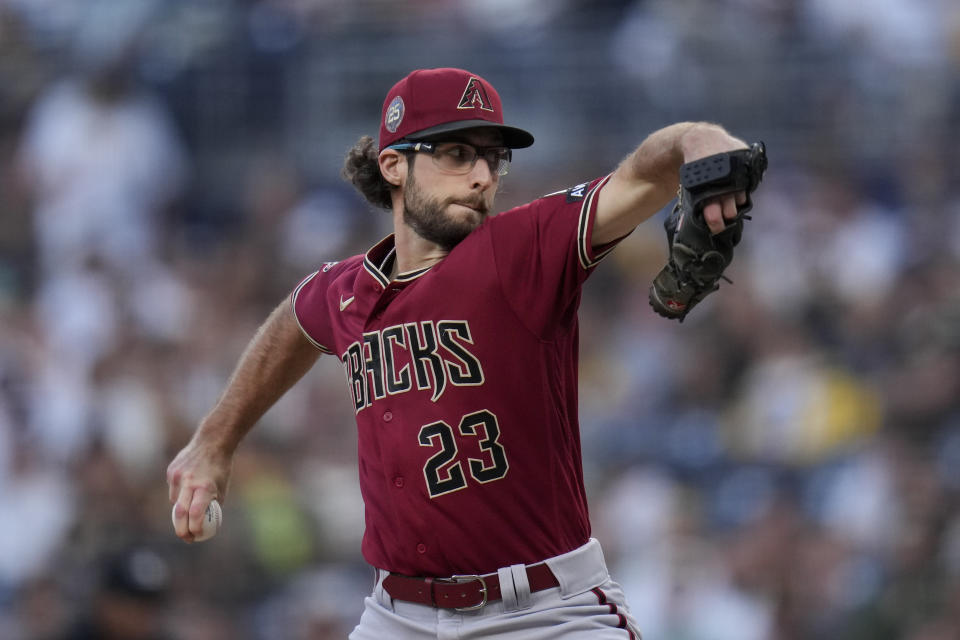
(481,175)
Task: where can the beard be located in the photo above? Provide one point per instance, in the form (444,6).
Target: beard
(425,215)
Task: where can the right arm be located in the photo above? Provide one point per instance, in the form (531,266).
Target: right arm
(648,179)
(276,358)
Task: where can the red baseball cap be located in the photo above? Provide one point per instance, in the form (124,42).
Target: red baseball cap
(431,102)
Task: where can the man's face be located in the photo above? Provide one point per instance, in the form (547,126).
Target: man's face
(445,208)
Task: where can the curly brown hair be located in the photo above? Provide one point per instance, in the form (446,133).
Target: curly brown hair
(362,169)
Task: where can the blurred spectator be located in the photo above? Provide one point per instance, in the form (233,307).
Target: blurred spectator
(128,601)
(103,162)
(36,513)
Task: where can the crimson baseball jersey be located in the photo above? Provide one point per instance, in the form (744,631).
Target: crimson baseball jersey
(464,381)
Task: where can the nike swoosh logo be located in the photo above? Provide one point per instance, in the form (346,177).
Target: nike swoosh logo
(345,303)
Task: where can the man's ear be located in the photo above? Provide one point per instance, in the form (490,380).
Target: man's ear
(393,167)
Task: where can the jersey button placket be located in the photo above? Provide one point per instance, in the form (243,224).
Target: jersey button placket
(421,548)
(398,482)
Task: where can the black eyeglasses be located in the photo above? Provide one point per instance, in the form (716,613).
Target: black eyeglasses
(459,157)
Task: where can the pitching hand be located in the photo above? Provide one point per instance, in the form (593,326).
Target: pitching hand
(197,475)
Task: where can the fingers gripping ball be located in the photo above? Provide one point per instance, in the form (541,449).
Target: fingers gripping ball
(212,519)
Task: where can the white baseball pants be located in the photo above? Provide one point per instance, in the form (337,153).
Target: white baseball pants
(587,605)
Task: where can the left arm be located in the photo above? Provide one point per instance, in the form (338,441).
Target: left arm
(648,179)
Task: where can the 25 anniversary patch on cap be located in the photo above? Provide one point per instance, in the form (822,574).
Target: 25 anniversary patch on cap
(394,114)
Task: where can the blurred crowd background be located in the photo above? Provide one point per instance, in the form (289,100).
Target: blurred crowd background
(784,465)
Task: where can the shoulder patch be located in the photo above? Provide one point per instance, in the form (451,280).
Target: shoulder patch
(327,266)
(578,192)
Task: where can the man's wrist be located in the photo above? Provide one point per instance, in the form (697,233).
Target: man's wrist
(217,437)
(702,139)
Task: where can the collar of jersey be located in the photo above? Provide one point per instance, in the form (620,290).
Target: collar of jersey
(379,256)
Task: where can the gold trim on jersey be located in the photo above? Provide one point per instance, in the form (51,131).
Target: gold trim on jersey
(293,306)
(583,243)
(411,275)
(373,270)
(378,271)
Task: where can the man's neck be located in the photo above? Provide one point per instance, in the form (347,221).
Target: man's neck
(412,251)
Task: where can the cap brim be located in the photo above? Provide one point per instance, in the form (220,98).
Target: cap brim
(512,136)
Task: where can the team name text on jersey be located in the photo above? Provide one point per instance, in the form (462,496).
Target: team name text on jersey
(422,356)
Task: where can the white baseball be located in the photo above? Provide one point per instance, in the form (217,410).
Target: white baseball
(212,519)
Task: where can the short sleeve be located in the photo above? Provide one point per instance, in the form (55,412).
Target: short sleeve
(543,254)
(309,301)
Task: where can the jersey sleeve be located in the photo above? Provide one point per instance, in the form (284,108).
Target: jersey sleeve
(310,304)
(543,254)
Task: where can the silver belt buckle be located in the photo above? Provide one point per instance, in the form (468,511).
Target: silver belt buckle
(461,579)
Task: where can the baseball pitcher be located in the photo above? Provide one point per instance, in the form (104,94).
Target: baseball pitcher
(458,336)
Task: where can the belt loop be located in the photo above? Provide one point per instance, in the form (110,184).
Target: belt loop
(380,593)
(521,586)
(433,596)
(508,594)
